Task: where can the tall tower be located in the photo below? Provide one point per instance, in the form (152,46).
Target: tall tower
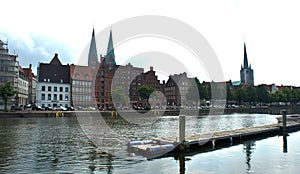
(246,71)
(110,54)
(93,56)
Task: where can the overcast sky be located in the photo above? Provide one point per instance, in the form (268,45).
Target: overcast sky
(38,29)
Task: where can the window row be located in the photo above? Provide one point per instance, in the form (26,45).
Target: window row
(48,80)
(55,89)
(55,97)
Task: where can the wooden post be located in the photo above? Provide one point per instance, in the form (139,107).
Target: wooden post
(283,112)
(181,131)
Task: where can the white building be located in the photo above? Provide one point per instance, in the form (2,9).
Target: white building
(53,94)
(53,88)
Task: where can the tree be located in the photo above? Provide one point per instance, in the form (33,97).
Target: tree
(240,95)
(204,93)
(262,94)
(6,91)
(145,91)
(229,93)
(251,94)
(193,92)
(119,97)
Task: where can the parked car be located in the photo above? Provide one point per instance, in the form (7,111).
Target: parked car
(59,108)
(71,108)
(16,108)
(37,108)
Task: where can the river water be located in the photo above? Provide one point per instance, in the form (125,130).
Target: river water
(71,145)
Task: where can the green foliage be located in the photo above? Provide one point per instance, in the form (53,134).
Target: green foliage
(262,94)
(240,95)
(145,91)
(193,92)
(229,93)
(119,97)
(198,91)
(6,91)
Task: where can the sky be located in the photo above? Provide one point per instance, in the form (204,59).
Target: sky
(36,30)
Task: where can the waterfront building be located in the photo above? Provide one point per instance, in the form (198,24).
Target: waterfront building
(23,88)
(246,72)
(32,82)
(83,79)
(150,79)
(9,71)
(104,77)
(129,79)
(176,89)
(81,86)
(53,87)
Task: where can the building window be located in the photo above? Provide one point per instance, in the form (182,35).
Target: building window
(61,80)
(43,88)
(60,89)
(66,89)
(66,97)
(60,97)
(55,97)
(43,96)
(49,88)
(55,89)
(49,96)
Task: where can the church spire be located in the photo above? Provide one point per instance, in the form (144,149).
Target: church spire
(245,57)
(93,56)
(110,53)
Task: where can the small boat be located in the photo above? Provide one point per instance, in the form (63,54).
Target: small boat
(150,148)
(289,118)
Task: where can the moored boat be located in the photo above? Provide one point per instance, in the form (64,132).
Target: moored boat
(289,118)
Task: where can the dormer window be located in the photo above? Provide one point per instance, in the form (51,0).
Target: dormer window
(61,80)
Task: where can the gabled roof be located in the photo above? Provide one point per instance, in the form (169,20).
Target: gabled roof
(55,60)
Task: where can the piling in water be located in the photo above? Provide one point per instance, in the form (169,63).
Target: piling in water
(181,132)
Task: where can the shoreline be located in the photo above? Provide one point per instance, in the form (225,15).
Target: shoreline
(274,110)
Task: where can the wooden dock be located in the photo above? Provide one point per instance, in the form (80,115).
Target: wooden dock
(211,141)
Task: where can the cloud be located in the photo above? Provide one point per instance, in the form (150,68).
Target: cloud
(34,48)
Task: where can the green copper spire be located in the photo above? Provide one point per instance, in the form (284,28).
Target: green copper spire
(110,54)
(93,56)
(245,57)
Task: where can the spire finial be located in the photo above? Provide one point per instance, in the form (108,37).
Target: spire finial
(245,56)
(93,56)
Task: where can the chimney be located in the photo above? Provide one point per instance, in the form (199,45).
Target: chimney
(151,68)
(30,67)
(56,55)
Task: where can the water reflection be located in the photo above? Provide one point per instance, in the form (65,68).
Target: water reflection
(285,146)
(248,149)
(58,145)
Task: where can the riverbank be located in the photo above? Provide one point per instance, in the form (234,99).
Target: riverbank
(275,110)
